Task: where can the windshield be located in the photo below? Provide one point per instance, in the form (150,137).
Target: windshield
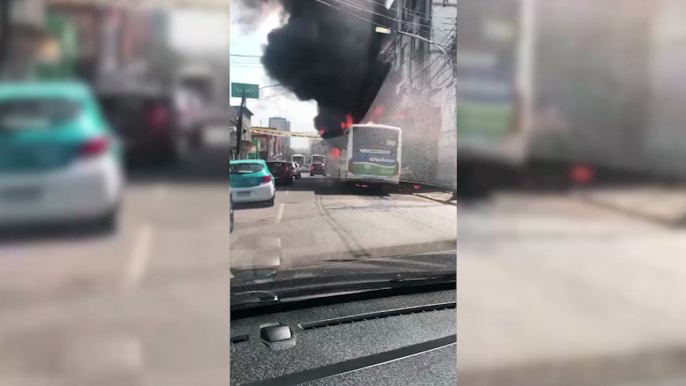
(36,113)
(341,121)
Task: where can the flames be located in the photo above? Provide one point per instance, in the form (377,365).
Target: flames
(348,122)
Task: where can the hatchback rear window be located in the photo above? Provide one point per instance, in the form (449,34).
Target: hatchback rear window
(37,113)
(245,168)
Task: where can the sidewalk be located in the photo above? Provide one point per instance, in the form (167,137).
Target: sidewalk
(662,204)
(442,197)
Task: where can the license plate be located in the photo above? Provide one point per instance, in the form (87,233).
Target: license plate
(21,194)
(243,194)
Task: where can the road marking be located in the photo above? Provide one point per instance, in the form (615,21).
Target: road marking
(280,213)
(139,259)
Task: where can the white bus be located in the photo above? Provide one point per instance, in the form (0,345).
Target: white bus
(370,155)
(299,159)
(318,159)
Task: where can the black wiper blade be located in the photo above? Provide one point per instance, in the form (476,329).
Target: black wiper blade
(251,299)
(255,299)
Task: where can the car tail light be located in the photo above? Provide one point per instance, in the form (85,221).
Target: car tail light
(158,118)
(94,147)
(267,179)
(312,168)
(286,169)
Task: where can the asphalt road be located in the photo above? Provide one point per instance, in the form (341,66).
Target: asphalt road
(314,220)
(145,306)
(553,290)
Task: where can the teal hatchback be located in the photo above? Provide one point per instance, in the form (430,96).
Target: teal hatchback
(251,181)
(59,159)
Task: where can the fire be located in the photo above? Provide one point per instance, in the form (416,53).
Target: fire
(321,131)
(335,153)
(348,122)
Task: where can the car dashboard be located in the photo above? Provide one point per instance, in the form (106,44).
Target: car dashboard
(399,340)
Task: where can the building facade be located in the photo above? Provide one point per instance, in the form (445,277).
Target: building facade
(425,68)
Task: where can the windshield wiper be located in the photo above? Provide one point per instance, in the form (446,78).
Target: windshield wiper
(252,299)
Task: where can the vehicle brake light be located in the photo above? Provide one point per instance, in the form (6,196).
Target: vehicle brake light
(312,168)
(267,179)
(94,147)
(323,167)
(286,169)
(158,118)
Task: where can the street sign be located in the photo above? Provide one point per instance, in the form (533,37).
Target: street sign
(252,91)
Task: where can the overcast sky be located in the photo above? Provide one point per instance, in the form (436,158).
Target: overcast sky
(203,31)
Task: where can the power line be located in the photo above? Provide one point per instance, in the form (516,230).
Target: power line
(402,23)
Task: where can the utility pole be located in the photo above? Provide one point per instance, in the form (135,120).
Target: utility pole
(239,129)
(5,38)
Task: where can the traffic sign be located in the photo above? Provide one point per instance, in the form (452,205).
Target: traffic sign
(252,91)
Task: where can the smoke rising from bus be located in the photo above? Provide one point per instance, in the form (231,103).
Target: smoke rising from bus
(327,52)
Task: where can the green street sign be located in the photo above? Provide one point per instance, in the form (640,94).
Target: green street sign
(252,91)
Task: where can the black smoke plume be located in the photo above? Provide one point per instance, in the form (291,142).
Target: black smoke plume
(328,51)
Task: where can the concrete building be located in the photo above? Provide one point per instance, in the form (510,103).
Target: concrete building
(22,35)
(246,141)
(279,123)
(426,73)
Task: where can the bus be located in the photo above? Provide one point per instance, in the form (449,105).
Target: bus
(299,159)
(318,159)
(370,155)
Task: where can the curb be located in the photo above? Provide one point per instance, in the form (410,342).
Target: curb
(628,212)
(427,197)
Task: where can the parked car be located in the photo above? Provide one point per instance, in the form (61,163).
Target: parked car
(297,171)
(251,181)
(282,171)
(59,158)
(317,169)
(147,121)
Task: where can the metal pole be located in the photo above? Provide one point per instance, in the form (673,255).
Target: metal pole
(5,31)
(239,129)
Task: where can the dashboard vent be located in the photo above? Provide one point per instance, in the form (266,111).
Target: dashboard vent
(377,315)
(239,338)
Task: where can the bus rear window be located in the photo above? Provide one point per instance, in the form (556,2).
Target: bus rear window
(370,138)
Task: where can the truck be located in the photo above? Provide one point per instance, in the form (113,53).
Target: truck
(552,84)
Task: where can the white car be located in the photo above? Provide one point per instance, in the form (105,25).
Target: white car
(59,160)
(251,181)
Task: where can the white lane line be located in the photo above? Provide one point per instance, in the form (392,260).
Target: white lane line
(139,259)
(280,213)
